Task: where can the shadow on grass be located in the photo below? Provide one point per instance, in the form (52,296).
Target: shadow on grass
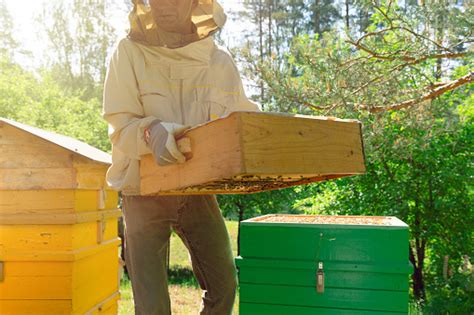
(182,276)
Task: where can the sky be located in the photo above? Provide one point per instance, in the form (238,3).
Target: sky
(24,14)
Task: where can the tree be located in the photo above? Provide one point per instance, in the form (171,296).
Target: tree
(276,23)
(8,44)
(389,67)
(416,171)
(44,104)
(81,35)
(324,15)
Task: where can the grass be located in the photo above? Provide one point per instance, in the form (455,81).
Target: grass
(184,299)
(126,297)
(185,293)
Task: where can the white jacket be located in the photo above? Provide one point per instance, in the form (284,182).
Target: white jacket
(188,85)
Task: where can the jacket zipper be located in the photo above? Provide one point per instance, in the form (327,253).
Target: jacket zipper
(181,100)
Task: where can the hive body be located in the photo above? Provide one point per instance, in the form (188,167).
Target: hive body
(58,225)
(364,260)
(249,152)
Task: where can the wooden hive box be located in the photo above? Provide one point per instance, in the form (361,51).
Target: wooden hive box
(301,265)
(247,152)
(58,225)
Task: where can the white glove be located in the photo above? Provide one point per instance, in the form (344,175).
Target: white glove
(160,137)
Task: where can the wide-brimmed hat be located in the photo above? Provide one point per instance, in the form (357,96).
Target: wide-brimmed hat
(208,17)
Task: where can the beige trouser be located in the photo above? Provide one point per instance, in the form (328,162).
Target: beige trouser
(199,223)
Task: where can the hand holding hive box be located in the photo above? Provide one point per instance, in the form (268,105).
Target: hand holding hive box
(247,152)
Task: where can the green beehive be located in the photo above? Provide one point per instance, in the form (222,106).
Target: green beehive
(292,264)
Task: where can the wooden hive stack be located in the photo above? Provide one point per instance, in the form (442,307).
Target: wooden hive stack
(58,225)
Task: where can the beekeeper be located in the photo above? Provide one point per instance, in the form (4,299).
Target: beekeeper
(165,76)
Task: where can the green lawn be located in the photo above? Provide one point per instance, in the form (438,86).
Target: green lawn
(184,293)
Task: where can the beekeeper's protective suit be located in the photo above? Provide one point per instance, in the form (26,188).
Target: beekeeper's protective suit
(153,90)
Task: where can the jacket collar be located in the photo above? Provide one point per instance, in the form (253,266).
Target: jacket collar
(196,53)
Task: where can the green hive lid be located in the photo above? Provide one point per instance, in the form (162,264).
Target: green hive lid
(327,219)
(336,238)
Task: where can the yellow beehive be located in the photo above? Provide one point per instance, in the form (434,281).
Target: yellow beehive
(58,225)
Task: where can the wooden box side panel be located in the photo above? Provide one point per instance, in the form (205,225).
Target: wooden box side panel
(59,237)
(21,149)
(29,162)
(56,201)
(278,309)
(85,281)
(109,306)
(92,283)
(216,154)
(36,307)
(348,278)
(96,232)
(274,144)
(36,179)
(35,288)
(86,200)
(89,174)
(36,201)
(36,237)
(349,299)
(36,280)
(324,242)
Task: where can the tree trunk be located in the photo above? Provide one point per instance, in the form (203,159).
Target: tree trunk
(277,32)
(270,12)
(347,14)
(417,276)
(317,18)
(260,35)
(417,258)
(440,21)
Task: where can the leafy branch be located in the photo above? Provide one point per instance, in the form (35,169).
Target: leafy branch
(434,93)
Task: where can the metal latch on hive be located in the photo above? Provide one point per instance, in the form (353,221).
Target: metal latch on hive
(320,278)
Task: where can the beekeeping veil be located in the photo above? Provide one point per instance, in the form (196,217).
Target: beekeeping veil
(208,17)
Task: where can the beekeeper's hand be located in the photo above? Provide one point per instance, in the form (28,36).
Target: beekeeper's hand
(160,138)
